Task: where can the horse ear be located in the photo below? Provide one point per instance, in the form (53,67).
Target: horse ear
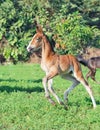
(35,22)
(38,27)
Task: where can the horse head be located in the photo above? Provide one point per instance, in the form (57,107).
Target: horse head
(36,43)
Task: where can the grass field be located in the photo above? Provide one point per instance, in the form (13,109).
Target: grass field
(24,107)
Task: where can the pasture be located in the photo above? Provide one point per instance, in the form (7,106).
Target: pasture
(24,107)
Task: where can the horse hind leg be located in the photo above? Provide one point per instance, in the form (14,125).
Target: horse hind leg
(78,75)
(75,83)
(88,88)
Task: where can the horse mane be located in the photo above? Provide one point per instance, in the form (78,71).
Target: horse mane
(51,41)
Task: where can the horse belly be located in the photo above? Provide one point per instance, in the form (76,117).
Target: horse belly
(64,63)
(69,70)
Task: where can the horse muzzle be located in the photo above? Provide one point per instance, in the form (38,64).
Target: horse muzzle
(30,49)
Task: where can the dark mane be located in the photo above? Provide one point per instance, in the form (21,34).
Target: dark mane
(51,41)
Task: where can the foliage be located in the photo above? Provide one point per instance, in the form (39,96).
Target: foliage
(17,23)
(23,105)
(74,33)
(96,37)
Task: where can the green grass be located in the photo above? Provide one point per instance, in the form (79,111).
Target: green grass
(23,105)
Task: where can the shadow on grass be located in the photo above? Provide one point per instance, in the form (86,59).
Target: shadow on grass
(14,80)
(89,100)
(16,89)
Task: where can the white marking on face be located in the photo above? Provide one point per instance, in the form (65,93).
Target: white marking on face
(28,47)
(32,39)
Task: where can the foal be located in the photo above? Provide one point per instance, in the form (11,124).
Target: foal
(54,64)
(92,64)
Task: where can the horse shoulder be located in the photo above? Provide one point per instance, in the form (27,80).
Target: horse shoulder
(43,66)
(48,63)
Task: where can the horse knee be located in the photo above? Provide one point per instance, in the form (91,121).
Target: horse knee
(93,77)
(87,76)
(44,80)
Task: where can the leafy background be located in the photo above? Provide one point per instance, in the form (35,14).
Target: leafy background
(74,24)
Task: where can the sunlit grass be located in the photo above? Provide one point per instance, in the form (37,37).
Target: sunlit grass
(23,105)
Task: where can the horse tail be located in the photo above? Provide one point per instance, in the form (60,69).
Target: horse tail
(81,60)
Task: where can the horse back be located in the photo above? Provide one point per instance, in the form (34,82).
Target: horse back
(94,62)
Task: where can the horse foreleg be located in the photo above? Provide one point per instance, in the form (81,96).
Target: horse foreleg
(52,73)
(53,92)
(93,74)
(47,95)
(88,74)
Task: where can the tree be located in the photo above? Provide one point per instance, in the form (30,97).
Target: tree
(56,17)
(74,33)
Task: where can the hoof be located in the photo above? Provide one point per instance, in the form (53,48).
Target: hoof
(61,103)
(94,106)
(65,107)
(52,102)
(66,101)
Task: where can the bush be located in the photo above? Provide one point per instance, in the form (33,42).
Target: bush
(56,17)
(75,34)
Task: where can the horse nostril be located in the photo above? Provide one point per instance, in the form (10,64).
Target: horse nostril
(28,49)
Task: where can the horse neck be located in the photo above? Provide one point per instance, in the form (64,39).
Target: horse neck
(47,50)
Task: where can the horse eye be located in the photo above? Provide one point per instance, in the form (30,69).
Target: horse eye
(38,39)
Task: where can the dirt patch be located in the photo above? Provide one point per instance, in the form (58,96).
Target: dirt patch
(35,57)
(3,42)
